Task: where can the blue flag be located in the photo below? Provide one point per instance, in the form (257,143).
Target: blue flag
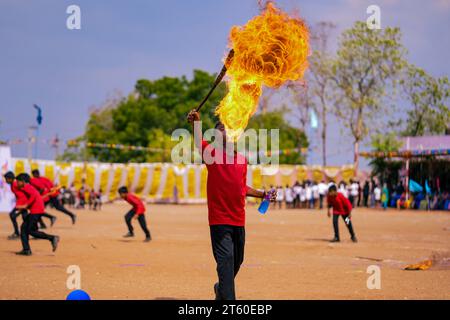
(414,186)
(427,187)
(39,114)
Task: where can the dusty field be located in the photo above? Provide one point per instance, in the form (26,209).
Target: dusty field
(287,256)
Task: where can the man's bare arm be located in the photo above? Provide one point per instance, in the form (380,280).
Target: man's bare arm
(196,130)
(260,194)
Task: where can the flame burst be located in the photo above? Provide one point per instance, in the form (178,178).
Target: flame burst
(269,50)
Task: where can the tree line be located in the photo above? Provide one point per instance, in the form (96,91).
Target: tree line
(365,83)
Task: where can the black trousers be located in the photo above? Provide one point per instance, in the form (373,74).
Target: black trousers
(228,248)
(321,196)
(13,216)
(352,200)
(30,227)
(366,200)
(141,218)
(58,206)
(336,225)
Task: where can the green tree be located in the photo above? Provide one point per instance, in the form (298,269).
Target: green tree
(367,66)
(290,137)
(149,115)
(385,169)
(429,97)
(319,81)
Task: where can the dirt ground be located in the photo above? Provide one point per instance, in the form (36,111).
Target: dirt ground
(287,256)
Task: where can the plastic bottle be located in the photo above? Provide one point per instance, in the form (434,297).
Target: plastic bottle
(264,206)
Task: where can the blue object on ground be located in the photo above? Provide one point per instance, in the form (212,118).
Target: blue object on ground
(78,295)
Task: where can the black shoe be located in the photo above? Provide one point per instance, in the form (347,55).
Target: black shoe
(24,253)
(14,236)
(129,235)
(354,239)
(74,219)
(148,239)
(216,291)
(335,240)
(52,221)
(43,226)
(55,243)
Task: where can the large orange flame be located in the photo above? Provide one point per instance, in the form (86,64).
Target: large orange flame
(269,50)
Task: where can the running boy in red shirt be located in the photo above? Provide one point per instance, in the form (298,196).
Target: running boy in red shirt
(50,193)
(138,211)
(341,207)
(35,205)
(226,192)
(21,199)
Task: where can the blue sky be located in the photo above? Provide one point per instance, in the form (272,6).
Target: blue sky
(67,72)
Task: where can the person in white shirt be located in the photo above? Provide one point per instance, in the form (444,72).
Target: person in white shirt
(315,194)
(354,191)
(303,196)
(343,189)
(289,194)
(322,192)
(297,190)
(377,194)
(280,196)
(308,194)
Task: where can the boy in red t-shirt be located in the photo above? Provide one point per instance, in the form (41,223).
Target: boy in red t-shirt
(341,207)
(138,211)
(50,193)
(226,192)
(21,199)
(36,207)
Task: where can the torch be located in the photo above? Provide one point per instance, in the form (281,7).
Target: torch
(218,79)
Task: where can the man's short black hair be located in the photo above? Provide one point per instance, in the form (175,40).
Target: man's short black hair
(9,175)
(123,190)
(24,177)
(35,172)
(332,188)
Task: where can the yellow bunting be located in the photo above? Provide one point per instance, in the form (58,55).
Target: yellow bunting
(257,178)
(104,176)
(191,183)
(203,179)
(20,167)
(348,174)
(115,183)
(90,176)
(141,182)
(317,175)
(302,174)
(78,177)
(156,181)
(170,183)
(130,176)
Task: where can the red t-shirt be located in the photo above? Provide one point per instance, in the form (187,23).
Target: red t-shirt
(49,185)
(341,205)
(34,200)
(226,188)
(21,198)
(40,186)
(138,205)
